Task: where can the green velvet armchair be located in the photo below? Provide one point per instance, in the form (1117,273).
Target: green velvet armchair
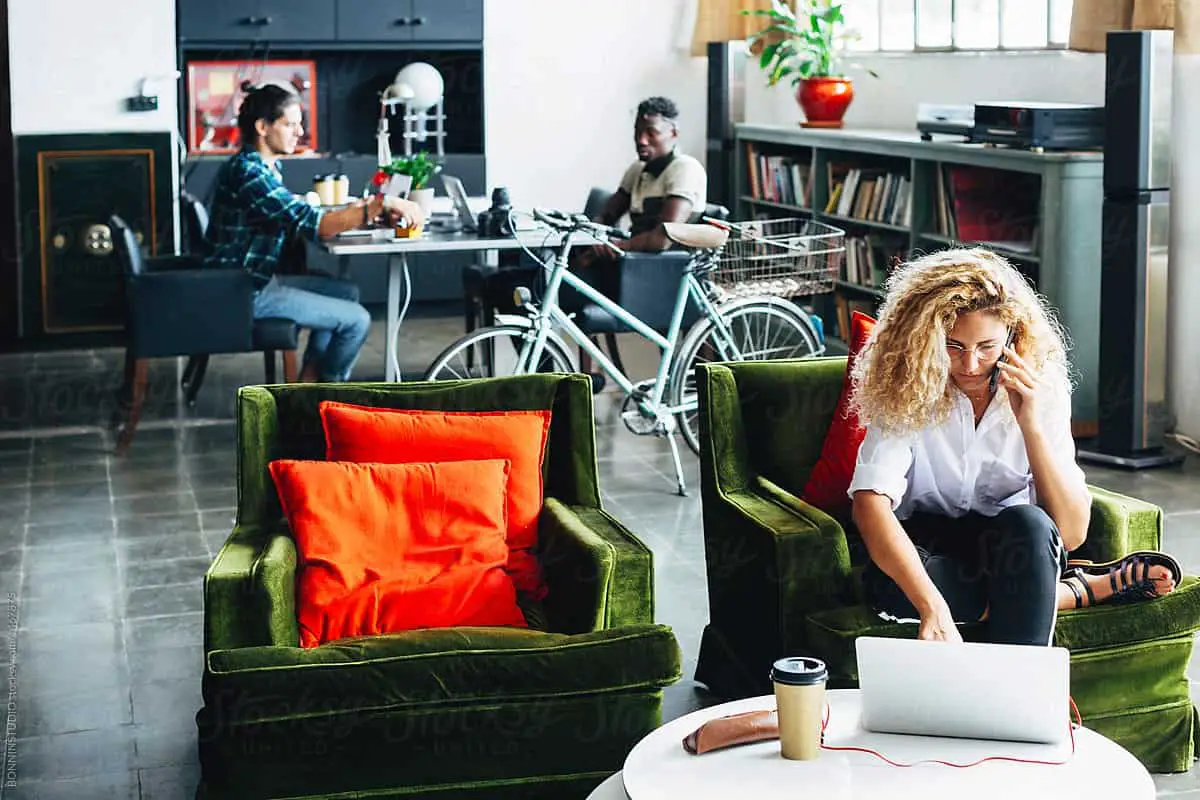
(447,713)
(783,577)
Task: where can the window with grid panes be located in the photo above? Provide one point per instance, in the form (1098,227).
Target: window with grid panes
(900,25)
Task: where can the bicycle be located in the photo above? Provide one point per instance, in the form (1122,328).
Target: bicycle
(729,327)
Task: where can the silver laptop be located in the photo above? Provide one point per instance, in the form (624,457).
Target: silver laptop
(458,196)
(1012,693)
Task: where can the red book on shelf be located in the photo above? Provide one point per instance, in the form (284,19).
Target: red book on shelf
(993,205)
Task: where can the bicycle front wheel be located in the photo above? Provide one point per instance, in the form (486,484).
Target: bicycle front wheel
(758,329)
(494,352)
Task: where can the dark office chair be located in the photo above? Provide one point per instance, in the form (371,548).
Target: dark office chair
(177,307)
(269,336)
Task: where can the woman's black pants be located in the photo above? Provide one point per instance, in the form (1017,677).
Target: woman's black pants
(1007,565)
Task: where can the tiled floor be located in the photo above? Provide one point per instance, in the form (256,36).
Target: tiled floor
(101,560)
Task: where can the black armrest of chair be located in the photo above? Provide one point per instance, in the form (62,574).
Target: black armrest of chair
(190,311)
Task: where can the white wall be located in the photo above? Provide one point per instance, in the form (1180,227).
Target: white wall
(890,101)
(563,80)
(1183,323)
(73,63)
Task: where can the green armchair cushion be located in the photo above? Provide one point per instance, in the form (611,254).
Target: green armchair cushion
(447,666)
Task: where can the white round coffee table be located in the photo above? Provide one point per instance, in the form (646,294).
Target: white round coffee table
(659,767)
(613,788)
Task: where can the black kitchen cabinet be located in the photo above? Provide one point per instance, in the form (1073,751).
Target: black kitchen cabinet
(240,21)
(447,20)
(410,20)
(330,22)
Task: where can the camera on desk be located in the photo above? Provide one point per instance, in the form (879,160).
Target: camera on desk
(494,222)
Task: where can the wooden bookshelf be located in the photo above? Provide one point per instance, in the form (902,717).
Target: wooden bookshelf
(904,196)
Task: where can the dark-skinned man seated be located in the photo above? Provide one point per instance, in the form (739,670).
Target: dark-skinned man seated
(663,185)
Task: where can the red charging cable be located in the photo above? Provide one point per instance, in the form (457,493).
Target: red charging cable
(1070,730)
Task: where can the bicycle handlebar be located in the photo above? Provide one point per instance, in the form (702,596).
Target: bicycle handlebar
(578,222)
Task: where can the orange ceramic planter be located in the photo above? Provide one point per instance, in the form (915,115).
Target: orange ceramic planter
(824,101)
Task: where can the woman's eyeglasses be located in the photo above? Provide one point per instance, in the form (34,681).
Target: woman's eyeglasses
(988,351)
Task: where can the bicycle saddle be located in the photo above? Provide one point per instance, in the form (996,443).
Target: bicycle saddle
(698,236)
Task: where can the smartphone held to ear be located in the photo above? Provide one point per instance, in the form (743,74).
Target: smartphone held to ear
(995,378)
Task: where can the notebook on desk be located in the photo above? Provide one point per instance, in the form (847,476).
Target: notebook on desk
(1012,693)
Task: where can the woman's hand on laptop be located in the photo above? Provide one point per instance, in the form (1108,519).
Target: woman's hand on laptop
(937,625)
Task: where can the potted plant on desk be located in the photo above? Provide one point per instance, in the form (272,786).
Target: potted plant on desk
(422,168)
(807,45)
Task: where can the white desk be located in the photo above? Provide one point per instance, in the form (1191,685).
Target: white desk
(659,767)
(383,242)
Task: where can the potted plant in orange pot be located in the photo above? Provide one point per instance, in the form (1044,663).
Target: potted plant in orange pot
(807,45)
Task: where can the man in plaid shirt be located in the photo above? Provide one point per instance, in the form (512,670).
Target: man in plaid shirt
(255,217)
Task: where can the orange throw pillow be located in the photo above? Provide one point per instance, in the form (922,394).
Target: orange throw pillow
(387,435)
(393,547)
(830,479)
(398,436)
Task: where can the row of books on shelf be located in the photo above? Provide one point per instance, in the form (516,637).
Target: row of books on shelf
(869,259)
(779,179)
(990,206)
(971,204)
(846,306)
(874,195)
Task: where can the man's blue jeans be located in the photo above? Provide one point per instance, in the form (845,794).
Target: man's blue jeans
(329,308)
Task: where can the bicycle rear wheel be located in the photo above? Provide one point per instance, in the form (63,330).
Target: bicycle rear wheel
(493,352)
(759,329)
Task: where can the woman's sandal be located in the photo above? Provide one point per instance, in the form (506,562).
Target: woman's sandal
(1137,583)
(1073,579)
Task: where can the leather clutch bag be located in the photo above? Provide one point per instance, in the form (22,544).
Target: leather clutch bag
(752,726)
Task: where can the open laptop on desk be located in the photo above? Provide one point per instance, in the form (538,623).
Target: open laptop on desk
(458,197)
(1012,693)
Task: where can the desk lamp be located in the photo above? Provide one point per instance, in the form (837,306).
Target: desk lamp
(418,87)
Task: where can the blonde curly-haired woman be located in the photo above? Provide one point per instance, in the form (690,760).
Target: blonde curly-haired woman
(966,492)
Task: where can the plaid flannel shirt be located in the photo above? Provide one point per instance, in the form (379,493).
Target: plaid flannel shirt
(253,217)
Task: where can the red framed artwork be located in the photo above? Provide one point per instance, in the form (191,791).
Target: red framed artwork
(215,92)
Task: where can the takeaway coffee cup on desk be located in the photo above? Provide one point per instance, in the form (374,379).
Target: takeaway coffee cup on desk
(800,702)
(323,185)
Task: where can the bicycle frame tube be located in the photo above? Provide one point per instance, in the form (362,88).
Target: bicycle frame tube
(550,311)
(560,318)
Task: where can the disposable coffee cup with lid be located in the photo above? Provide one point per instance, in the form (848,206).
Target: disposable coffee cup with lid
(324,187)
(799,702)
(799,671)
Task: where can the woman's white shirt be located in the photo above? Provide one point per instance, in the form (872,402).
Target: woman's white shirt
(955,467)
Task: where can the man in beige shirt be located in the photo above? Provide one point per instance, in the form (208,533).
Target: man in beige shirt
(663,185)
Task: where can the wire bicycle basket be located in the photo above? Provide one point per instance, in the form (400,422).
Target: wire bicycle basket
(787,257)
